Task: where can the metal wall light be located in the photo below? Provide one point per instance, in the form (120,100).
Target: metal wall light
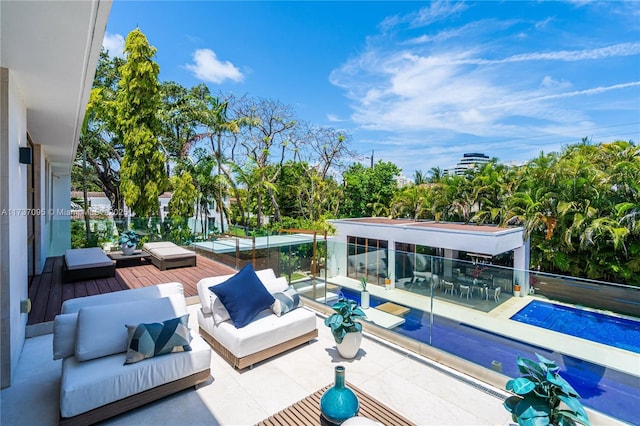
(26,155)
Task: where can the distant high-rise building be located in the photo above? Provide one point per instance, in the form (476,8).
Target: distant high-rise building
(403,180)
(468,161)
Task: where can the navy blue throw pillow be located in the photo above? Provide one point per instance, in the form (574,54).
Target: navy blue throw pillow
(244,296)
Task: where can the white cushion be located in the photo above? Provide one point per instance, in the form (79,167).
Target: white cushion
(102,329)
(167,250)
(276,285)
(156,291)
(92,257)
(158,244)
(265,331)
(65,324)
(206,296)
(171,253)
(64,335)
(219,312)
(88,385)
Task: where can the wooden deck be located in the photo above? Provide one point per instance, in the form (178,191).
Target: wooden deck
(47,291)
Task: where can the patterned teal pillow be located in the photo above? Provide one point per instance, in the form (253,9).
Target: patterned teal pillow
(286,301)
(149,340)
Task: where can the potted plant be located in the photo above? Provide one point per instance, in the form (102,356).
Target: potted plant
(542,396)
(347,332)
(364,294)
(516,288)
(128,241)
(387,282)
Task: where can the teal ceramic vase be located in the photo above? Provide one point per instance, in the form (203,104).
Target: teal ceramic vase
(338,403)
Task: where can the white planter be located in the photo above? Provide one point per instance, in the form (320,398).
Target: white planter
(364,299)
(126,250)
(350,345)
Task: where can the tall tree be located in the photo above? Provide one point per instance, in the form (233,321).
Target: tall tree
(364,187)
(99,138)
(142,171)
(266,141)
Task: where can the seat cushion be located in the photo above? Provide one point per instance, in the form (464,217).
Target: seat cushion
(157,245)
(166,250)
(88,385)
(92,257)
(243,296)
(265,331)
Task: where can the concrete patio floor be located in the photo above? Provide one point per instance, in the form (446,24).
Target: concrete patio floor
(421,390)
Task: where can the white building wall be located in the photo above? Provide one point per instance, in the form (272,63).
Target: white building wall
(13,225)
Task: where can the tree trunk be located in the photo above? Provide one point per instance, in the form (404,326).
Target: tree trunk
(87,219)
(276,207)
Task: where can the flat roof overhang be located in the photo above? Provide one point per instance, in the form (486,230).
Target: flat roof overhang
(481,239)
(51,49)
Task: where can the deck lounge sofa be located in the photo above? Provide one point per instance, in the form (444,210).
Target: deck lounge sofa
(111,362)
(274,328)
(86,263)
(165,255)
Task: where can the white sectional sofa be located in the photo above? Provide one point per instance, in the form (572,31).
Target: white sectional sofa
(91,337)
(265,336)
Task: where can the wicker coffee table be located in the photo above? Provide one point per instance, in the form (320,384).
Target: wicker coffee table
(307,411)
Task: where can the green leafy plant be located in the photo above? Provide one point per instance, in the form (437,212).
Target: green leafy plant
(363,283)
(129,237)
(343,321)
(542,396)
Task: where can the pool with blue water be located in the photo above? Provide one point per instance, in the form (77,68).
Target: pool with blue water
(606,390)
(610,330)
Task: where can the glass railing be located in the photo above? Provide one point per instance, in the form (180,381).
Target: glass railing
(461,307)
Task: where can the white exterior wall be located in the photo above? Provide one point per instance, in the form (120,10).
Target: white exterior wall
(13,224)
(521,257)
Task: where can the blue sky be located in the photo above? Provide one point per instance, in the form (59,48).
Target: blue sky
(419,83)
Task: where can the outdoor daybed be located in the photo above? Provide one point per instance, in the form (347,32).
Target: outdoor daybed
(86,263)
(167,255)
(277,324)
(124,349)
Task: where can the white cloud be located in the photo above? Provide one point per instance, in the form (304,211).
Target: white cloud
(436,87)
(616,50)
(114,43)
(433,85)
(207,67)
(334,118)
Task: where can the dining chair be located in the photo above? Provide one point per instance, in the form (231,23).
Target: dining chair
(496,294)
(448,286)
(465,289)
